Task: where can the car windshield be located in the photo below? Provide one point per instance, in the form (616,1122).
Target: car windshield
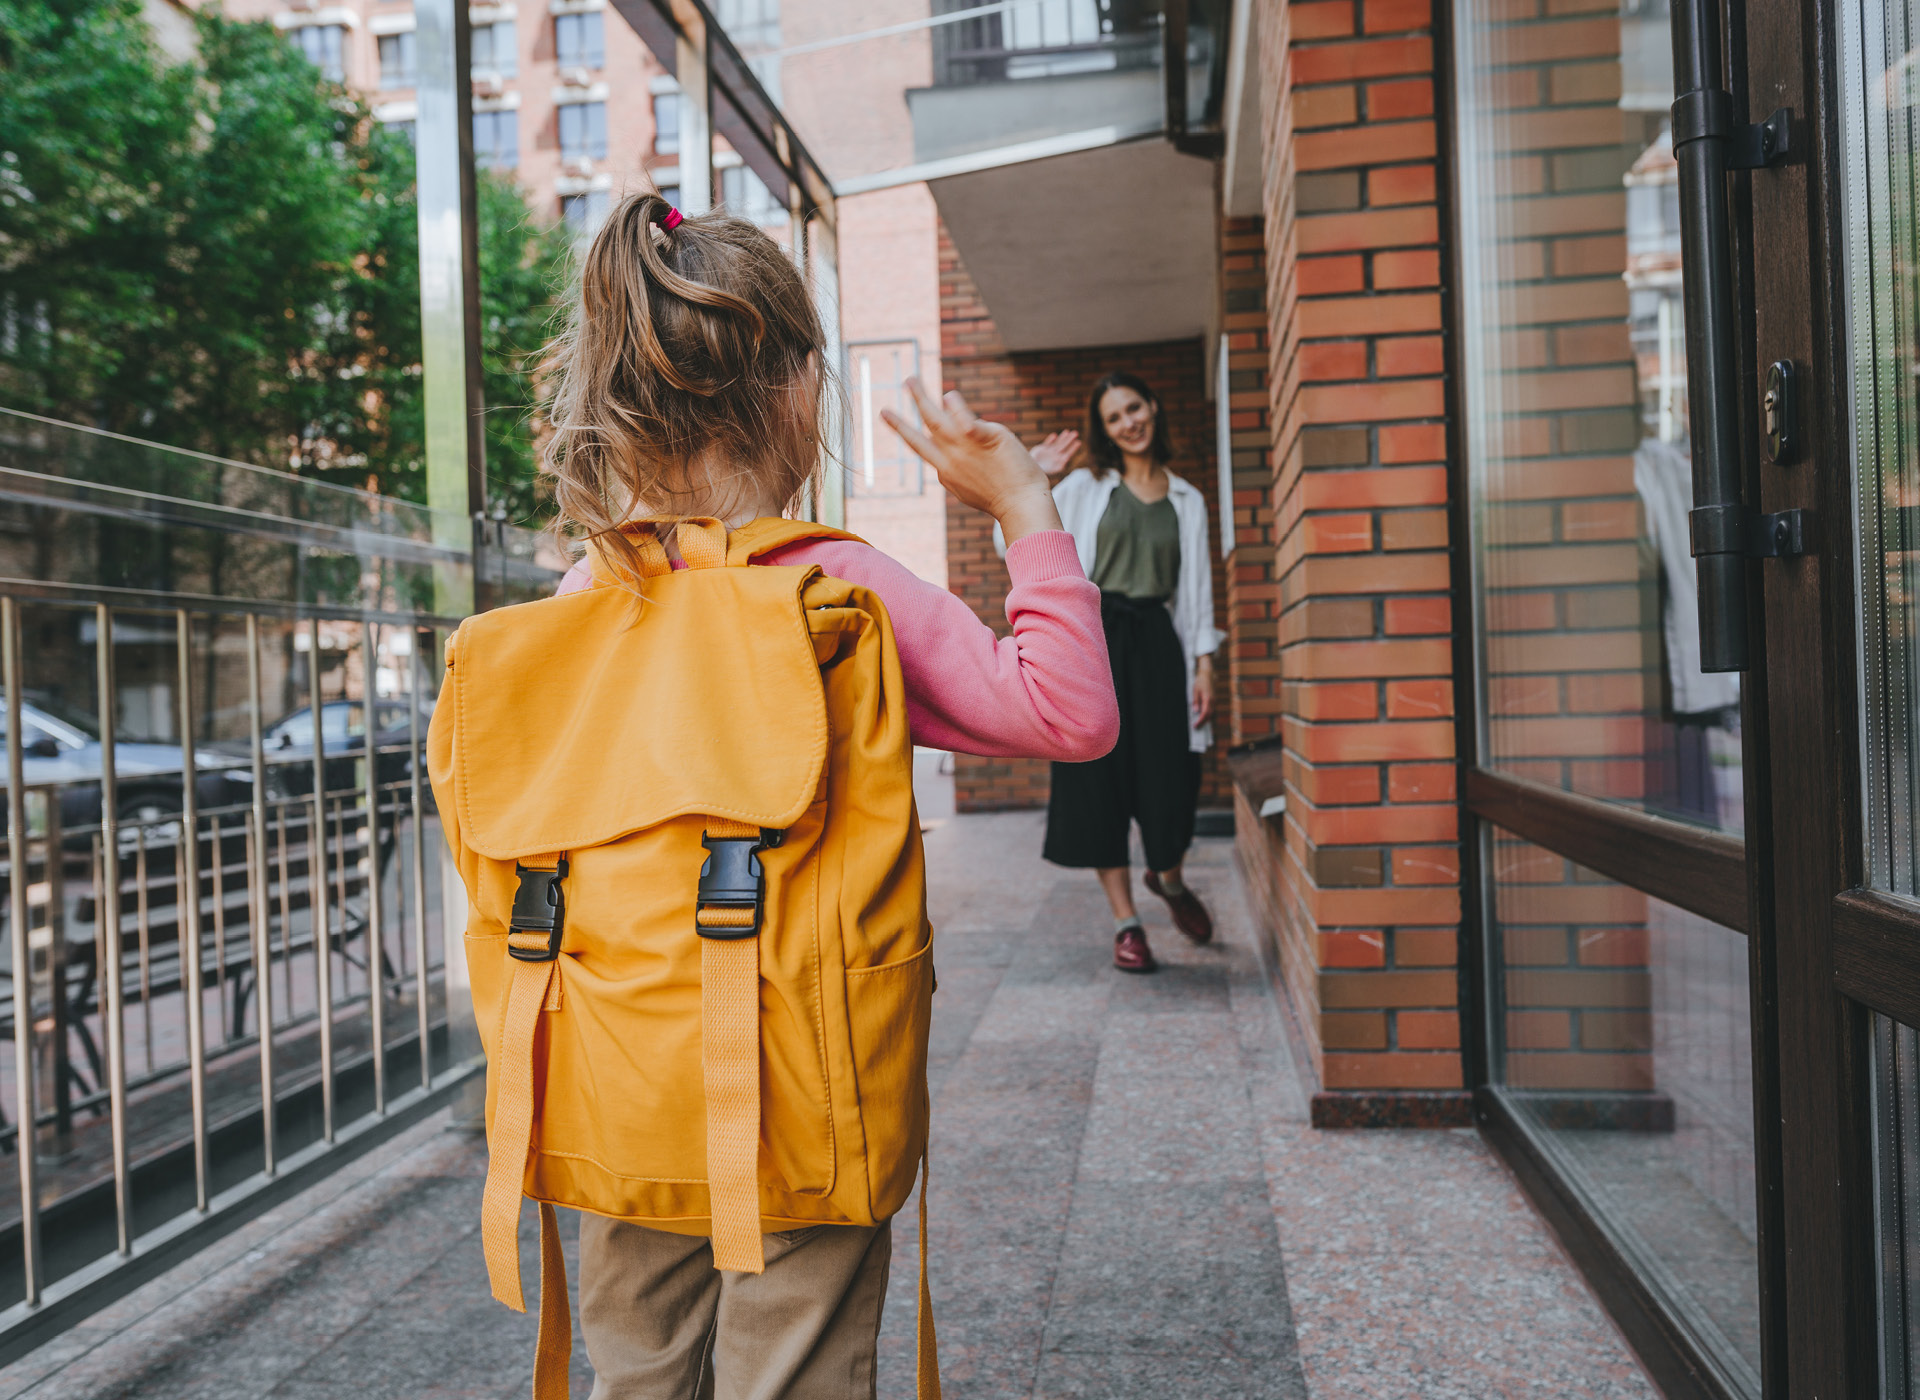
(64,714)
(340,718)
(36,726)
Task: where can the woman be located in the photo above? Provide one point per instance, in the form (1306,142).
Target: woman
(1141,533)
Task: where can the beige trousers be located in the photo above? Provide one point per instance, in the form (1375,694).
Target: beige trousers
(661,1323)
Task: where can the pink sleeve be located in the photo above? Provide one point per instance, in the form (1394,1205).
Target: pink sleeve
(1044,692)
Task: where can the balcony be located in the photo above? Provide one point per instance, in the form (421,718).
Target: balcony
(1054,107)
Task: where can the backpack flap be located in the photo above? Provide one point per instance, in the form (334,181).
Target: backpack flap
(583,718)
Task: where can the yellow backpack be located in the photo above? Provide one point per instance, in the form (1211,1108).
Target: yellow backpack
(697,937)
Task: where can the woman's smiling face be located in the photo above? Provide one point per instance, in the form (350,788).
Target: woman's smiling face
(1128,419)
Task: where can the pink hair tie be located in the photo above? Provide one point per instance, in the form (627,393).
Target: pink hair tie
(672,219)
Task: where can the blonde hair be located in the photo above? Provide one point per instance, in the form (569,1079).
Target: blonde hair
(694,350)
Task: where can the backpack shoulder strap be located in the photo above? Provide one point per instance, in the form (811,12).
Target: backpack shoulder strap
(771,532)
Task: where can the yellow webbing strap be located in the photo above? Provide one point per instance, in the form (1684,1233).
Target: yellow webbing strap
(510,1130)
(703,543)
(553,1353)
(927,1349)
(730,1068)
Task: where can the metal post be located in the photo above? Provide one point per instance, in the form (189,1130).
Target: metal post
(823,275)
(317,912)
(26,1112)
(259,909)
(107,921)
(187,905)
(450,295)
(1701,114)
(59,1060)
(696,110)
(416,756)
(376,924)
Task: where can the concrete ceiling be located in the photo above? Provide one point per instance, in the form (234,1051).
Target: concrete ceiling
(1113,246)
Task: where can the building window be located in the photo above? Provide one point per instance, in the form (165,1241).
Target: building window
(666,122)
(579,41)
(323,44)
(494,50)
(753,25)
(496,140)
(671,193)
(583,130)
(397,69)
(746,196)
(585,212)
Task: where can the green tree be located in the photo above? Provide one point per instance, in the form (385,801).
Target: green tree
(221,254)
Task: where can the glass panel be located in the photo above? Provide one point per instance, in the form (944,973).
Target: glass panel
(1577,413)
(1879,44)
(1879,90)
(1621,1034)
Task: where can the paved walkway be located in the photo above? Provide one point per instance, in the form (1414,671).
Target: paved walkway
(1127,1202)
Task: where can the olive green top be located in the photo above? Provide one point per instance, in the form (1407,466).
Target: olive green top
(1137,551)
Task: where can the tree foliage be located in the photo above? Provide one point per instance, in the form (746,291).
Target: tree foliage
(221,254)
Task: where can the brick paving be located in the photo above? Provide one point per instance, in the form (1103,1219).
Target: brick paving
(1127,1202)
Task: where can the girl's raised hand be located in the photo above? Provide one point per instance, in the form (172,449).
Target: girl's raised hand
(1056,451)
(982,463)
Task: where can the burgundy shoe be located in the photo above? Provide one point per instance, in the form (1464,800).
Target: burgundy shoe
(1189,914)
(1130,950)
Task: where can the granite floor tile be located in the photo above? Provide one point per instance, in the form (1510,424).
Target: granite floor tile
(1172,1043)
(1133,1376)
(1361,1191)
(1193,1269)
(1047,1011)
(1170,1130)
(1436,1325)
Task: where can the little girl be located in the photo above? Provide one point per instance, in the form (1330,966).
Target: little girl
(691,382)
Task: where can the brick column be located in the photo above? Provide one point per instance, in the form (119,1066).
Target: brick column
(1365,891)
(1248,668)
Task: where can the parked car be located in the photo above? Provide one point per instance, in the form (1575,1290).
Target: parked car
(61,745)
(343,734)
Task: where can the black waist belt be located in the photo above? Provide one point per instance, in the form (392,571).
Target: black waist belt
(1120,602)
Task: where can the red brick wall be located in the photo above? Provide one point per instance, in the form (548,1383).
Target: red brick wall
(1249,661)
(1366,901)
(1035,394)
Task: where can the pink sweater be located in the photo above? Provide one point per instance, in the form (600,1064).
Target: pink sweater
(1044,692)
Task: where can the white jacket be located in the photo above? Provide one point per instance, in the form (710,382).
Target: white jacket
(1082,498)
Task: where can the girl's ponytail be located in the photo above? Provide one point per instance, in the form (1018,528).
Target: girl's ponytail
(692,358)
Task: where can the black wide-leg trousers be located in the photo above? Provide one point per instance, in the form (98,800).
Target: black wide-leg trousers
(1152,776)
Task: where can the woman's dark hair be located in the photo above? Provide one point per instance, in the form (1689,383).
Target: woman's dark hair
(1106,456)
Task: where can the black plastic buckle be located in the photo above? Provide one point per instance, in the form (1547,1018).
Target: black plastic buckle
(731,878)
(539,906)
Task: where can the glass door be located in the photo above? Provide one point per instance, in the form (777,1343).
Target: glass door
(1878,52)
(1608,776)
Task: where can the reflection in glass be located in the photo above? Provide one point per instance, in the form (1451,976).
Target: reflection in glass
(1577,413)
(1622,1038)
(1879,43)
(1879,93)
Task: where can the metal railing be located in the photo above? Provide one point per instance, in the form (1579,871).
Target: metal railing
(226,961)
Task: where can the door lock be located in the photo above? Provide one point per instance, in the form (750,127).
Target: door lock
(1780,412)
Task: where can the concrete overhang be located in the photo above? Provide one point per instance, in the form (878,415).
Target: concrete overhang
(1109,246)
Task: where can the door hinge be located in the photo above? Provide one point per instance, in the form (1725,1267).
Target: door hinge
(1737,529)
(1708,112)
